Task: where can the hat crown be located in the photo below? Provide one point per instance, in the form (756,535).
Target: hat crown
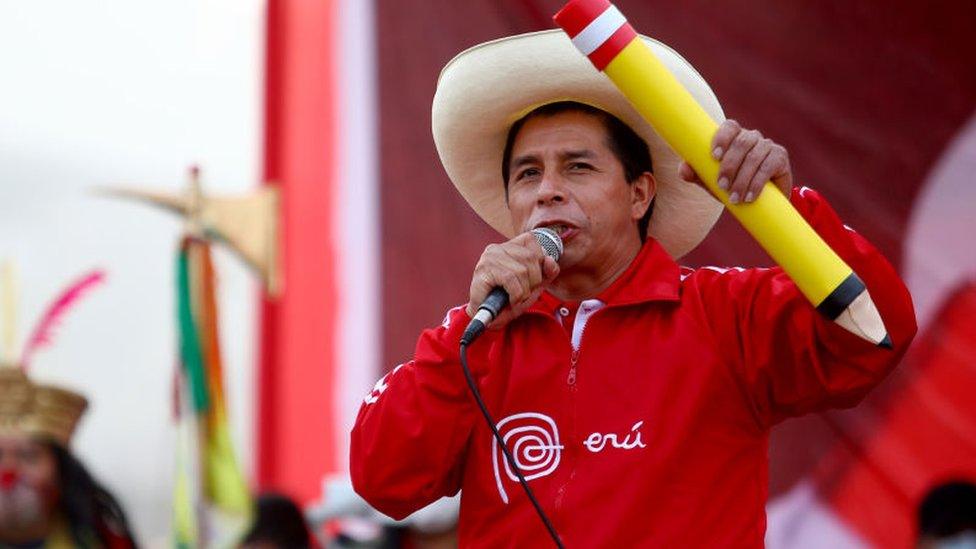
(40,410)
(16,397)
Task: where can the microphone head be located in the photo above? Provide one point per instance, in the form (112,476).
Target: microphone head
(550,241)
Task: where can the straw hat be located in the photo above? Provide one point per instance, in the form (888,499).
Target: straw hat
(41,410)
(485,89)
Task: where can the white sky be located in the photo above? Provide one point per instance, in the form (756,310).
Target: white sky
(93,93)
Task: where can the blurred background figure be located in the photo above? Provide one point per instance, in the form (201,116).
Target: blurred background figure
(347,521)
(47,496)
(947,517)
(49,499)
(278,524)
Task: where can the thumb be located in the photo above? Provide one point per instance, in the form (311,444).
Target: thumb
(550,269)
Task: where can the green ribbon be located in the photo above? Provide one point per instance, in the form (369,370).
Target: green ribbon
(190,348)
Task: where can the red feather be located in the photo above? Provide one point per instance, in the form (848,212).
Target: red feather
(44,330)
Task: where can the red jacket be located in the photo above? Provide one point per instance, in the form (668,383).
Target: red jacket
(654,431)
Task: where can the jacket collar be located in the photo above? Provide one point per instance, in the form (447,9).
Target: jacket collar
(651,276)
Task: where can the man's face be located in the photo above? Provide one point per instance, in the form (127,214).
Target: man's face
(28,483)
(564,175)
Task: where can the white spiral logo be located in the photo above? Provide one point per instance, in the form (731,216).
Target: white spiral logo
(533,440)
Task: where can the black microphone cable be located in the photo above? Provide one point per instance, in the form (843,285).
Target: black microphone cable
(497,299)
(501,442)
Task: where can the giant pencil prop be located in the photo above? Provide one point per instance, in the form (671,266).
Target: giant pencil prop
(602,33)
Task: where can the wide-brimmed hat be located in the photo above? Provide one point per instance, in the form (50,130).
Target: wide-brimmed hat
(485,89)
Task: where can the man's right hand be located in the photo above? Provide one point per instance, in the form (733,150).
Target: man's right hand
(521,267)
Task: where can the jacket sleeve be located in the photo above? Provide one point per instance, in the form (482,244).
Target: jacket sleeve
(788,358)
(408,443)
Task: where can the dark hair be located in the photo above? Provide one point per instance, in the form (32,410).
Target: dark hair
(279,521)
(624,143)
(947,510)
(91,511)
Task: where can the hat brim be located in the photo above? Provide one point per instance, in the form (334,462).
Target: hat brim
(485,89)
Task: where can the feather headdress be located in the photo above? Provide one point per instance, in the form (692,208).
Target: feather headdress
(44,330)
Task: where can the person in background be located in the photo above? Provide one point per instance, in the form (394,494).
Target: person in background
(278,524)
(947,517)
(47,496)
(354,524)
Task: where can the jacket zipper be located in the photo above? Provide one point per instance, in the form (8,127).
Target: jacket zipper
(583,314)
(571,379)
(571,382)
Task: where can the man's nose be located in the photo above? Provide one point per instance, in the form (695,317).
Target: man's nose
(550,190)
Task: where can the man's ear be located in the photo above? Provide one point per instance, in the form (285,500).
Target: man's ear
(642,191)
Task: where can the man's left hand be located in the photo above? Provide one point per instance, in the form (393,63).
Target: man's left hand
(747,160)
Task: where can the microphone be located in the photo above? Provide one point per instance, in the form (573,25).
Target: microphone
(497,299)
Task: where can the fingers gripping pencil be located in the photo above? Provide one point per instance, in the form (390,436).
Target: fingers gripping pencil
(602,33)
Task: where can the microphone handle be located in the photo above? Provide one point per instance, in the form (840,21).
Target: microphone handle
(496,301)
(493,304)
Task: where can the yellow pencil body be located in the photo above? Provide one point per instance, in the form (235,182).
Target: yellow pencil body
(658,96)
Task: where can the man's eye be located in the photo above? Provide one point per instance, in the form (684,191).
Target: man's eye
(526,173)
(580,166)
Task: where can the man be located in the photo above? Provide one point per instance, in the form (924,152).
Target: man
(635,395)
(47,497)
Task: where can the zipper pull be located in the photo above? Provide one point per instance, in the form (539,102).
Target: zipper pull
(571,380)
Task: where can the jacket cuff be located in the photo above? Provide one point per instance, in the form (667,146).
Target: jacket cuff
(887,289)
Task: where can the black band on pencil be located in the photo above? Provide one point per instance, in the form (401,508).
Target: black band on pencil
(841,298)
